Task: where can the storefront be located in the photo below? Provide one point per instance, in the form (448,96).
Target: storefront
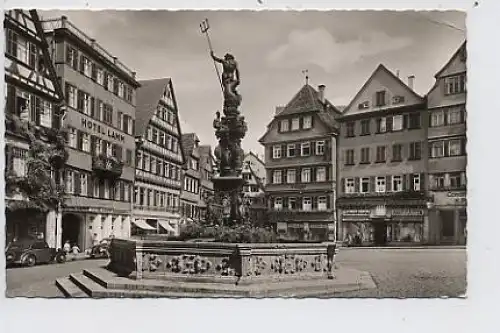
(307,231)
(382,225)
(448,218)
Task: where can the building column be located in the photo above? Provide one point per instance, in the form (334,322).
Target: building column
(51,228)
(118,229)
(108,220)
(426,230)
(97,226)
(58,229)
(126,226)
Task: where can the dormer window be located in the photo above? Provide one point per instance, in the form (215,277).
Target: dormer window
(295,124)
(380,98)
(398,99)
(307,122)
(285,125)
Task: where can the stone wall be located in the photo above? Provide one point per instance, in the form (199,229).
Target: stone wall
(221,262)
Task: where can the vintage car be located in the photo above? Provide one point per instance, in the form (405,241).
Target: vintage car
(101,250)
(30,251)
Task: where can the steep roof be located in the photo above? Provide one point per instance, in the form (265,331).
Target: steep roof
(462,48)
(380,68)
(305,100)
(188,144)
(147,98)
(206,152)
(251,153)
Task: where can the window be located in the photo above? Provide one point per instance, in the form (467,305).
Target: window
(284,125)
(276,151)
(307,122)
(85,142)
(87,67)
(194,164)
(83,184)
(350,129)
(306,175)
(117,190)
(380,98)
(277,177)
(72,96)
(397,183)
(292,203)
(98,146)
(306,203)
(455,147)
(71,57)
(381,125)
(437,118)
(397,123)
(349,157)
(154,137)
(381,154)
(110,82)
(295,124)
(380,185)
(100,76)
(121,89)
(19,157)
(415,151)
(126,192)
(321,174)
(397,153)
(147,164)
(454,116)
(95,188)
(364,185)
(322,203)
(278,203)
(106,189)
(349,185)
(455,180)
(414,120)
(86,103)
(365,156)
(153,165)
(365,127)
(108,114)
(290,150)
(320,147)
(416,182)
(305,148)
(70,181)
(45,112)
(437,181)
(72,138)
(437,149)
(454,84)
(290,176)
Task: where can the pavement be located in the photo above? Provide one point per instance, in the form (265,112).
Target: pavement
(400,273)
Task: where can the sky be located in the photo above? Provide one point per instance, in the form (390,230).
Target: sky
(340,49)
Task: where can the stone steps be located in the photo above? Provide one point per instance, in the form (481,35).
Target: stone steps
(69,289)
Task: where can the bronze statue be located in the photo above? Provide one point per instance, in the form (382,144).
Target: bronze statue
(217,123)
(230,79)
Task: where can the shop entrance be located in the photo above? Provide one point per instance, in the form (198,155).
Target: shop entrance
(71,226)
(379,232)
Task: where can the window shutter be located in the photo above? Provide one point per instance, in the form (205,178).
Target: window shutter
(92,107)
(81,63)
(68,56)
(119,152)
(342,185)
(314,202)
(327,173)
(328,201)
(92,144)
(313,174)
(388,124)
(405,121)
(301,122)
(356,184)
(279,125)
(90,189)
(285,202)
(94,71)
(463,115)
(372,184)
(283,150)
(283,176)
(101,189)
(80,101)
(122,190)
(78,185)
(66,92)
(406,186)
(422,182)
(11,99)
(79,140)
(463,142)
(388,183)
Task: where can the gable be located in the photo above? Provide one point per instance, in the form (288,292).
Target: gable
(148,96)
(397,93)
(457,64)
(305,100)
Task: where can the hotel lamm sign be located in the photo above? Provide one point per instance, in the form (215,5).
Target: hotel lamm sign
(103,130)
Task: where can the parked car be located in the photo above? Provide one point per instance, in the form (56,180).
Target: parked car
(101,250)
(30,251)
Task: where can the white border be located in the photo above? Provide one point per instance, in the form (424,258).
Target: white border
(475,314)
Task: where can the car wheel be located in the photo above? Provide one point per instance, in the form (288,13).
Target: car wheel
(30,260)
(60,258)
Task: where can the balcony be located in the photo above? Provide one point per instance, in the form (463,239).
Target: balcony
(107,167)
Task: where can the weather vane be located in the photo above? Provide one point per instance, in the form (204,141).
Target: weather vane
(306,73)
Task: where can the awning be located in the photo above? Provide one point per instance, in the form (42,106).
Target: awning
(143,225)
(166,225)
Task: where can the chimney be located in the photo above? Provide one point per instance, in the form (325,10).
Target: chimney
(397,73)
(411,80)
(321,92)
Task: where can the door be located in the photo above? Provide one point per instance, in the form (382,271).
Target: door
(380,233)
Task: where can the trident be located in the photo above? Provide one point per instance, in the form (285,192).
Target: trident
(204,30)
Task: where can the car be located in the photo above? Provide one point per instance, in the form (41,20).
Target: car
(101,250)
(29,251)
